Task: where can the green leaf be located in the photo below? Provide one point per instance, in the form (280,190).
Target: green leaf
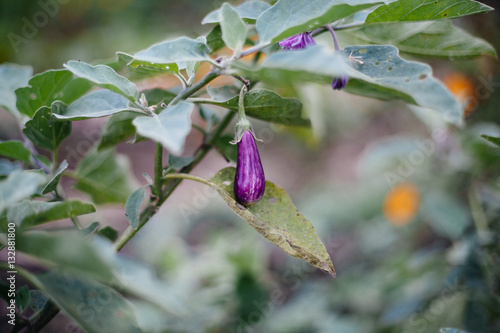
(94,306)
(440,39)
(165,56)
(385,75)
(105,176)
(268,106)
(495,141)
(7,167)
(91,229)
(45,131)
(99,103)
(170,128)
(249,11)
(66,250)
(214,39)
(31,213)
(12,76)
(230,151)
(118,128)
(22,298)
(17,186)
(133,207)
(277,219)
(178,162)
(234,30)
(15,150)
(52,184)
(289,17)
(450,330)
(104,76)
(108,233)
(425,10)
(43,90)
(38,300)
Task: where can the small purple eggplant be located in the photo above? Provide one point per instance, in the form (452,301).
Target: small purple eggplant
(249,180)
(297,42)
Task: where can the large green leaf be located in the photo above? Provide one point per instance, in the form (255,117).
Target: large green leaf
(118,128)
(31,213)
(133,206)
(425,10)
(92,305)
(16,150)
(165,56)
(45,131)
(249,11)
(289,17)
(277,219)
(12,76)
(170,128)
(18,186)
(52,184)
(105,176)
(67,250)
(105,77)
(384,74)
(99,103)
(268,106)
(441,39)
(43,89)
(234,30)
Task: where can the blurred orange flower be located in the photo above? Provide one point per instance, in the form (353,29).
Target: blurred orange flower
(401,204)
(463,89)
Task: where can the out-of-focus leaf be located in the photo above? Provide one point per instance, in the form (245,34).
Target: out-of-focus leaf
(18,186)
(450,330)
(12,77)
(118,128)
(67,250)
(177,162)
(495,141)
(99,103)
(105,176)
(38,300)
(94,306)
(108,233)
(104,76)
(425,10)
(45,131)
(440,39)
(22,298)
(133,206)
(277,219)
(289,17)
(15,150)
(92,228)
(249,11)
(230,151)
(234,30)
(268,106)
(6,167)
(43,89)
(31,213)
(52,184)
(170,128)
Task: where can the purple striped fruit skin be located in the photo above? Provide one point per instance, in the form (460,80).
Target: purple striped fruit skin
(297,42)
(249,180)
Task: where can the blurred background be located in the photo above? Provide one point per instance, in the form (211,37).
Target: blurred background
(408,207)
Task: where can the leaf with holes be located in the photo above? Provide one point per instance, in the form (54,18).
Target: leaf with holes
(425,10)
(12,77)
(440,39)
(99,103)
(15,150)
(44,130)
(378,71)
(277,219)
(31,213)
(106,77)
(289,17)
(249,11)
(170,128)
(105,176)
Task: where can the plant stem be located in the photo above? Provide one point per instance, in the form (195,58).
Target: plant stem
(212,74)
(251,50)
(158,170)
(334,36)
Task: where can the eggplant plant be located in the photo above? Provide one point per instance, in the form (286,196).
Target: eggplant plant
(286,43)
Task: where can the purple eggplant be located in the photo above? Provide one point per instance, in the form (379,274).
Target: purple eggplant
(249,181)
(297,42)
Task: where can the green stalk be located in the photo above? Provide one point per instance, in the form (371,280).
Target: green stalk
(158,170)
